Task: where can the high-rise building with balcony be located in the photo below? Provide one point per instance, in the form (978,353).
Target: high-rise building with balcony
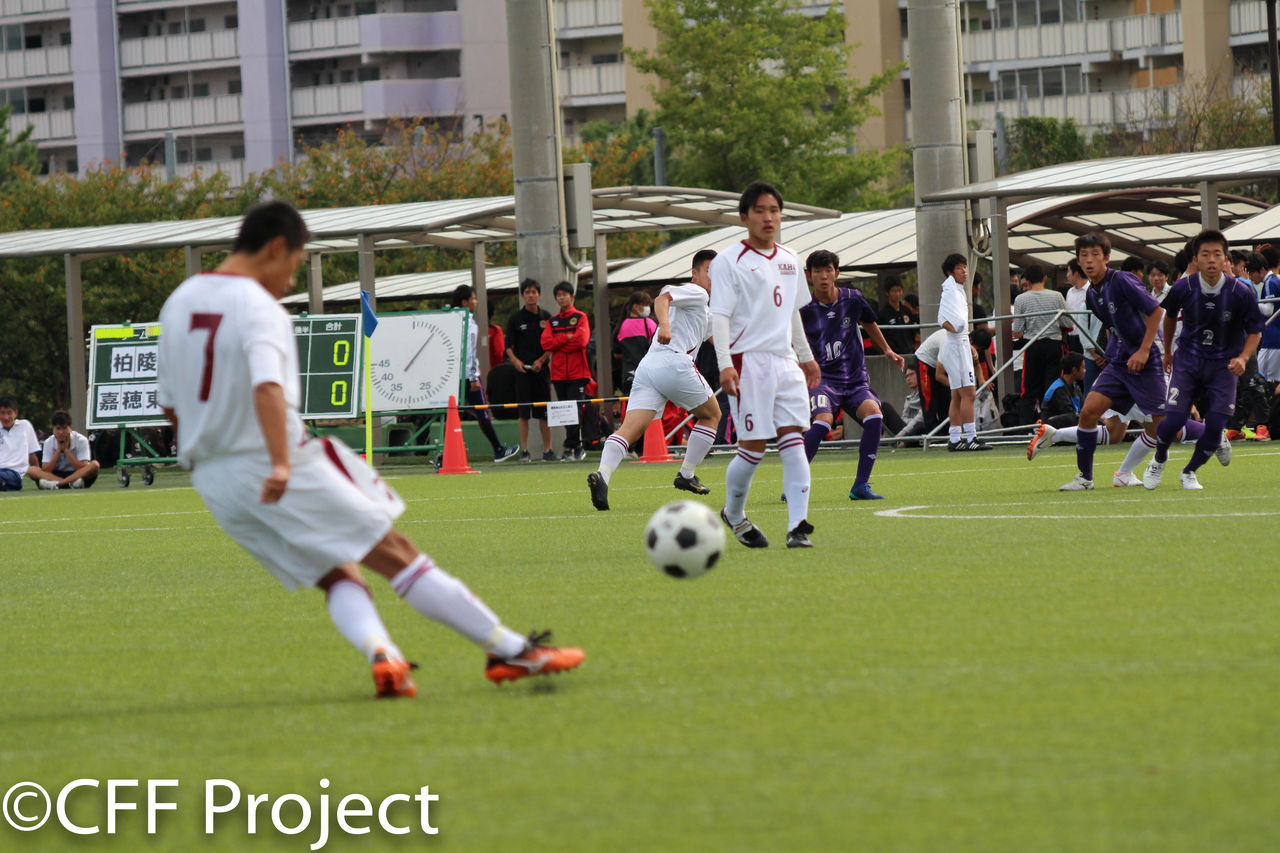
(1104,63)
(238,82)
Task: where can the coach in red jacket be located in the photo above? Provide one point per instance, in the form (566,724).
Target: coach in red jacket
(565,336)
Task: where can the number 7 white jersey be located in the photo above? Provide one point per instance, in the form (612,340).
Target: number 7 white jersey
(220,336)
(759,293)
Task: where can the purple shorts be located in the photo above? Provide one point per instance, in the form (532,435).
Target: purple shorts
(1126,390)
(828,399)
(1206,380)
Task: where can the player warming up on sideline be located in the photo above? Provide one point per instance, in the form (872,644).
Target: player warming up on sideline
(1133,374)
(757,292)
(956,356)
(1221,329)
(667,372)
(831,323)
(307,510)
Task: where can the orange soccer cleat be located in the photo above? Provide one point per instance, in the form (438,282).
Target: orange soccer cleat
(536,659)
(391,676)
(1261,433)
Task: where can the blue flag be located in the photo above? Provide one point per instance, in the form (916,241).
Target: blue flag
(366,312)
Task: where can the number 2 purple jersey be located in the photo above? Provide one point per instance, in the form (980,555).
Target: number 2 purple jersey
(1214,326)
(836,338)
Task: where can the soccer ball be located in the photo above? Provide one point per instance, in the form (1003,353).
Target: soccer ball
(684,539)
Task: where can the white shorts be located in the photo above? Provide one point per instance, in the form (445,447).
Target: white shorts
(1269,364)
(1134,414)
(335,509)
(771,394)
(956,357)
(664,375)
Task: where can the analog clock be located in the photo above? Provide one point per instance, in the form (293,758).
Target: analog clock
(417,360)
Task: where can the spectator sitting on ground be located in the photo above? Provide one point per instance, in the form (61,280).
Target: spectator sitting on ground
(18,449)
(1061,405)
(66,456)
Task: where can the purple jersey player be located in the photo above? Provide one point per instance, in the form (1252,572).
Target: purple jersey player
(832,323)
(1133,374)
(1221,329)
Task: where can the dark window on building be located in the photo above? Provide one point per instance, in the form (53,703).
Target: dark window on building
(64,39)
(237,152)
(364,75)
(33,41)
(233,86)
(231,22)
(196,25)
(199,90)
(204,155)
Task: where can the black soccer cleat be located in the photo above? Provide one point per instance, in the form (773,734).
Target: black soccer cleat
(599,491)
(746,532)
(799,538)
(690,484)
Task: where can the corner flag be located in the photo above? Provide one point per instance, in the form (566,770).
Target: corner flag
(370,322)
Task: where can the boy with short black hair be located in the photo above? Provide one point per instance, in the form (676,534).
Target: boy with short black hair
(525,353)
(18,449)
(1221,328)
(956,355)
(565,337)
(66,456)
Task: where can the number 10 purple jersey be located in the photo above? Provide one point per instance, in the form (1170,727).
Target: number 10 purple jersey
(836,337)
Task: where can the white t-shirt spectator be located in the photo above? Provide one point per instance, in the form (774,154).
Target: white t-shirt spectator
(17,443)
(79,447)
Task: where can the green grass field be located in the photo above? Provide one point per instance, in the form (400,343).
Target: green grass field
(976,663)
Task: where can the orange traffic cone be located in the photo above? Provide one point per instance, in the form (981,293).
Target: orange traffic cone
(455,449)
(655,444)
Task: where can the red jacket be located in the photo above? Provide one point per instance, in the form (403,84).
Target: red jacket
(565,336)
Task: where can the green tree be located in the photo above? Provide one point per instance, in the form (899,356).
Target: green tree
(751,89)
(1036,141)
(16,152)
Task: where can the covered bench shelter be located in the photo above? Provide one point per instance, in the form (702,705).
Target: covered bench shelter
(463,224)
(1203,172)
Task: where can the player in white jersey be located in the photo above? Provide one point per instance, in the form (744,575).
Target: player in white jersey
(667,372)
(956,356)
(757,291)
(308,510)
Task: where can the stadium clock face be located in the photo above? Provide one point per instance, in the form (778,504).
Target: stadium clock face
(417,360)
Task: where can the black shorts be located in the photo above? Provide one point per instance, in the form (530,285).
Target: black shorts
(533,388)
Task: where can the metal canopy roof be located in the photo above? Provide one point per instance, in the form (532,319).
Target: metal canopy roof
(1263,227)
(1091,176)
(455,223)
(420,285)
(1146,222)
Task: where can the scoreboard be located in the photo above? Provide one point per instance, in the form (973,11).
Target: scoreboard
(122,370)
(330,359)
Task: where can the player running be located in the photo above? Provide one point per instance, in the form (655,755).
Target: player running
(1221,329)
(307,509)
(667,372)
(831,323)
(756,296)
(1133,373)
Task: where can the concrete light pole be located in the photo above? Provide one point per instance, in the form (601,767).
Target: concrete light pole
(535,153)
(938,147)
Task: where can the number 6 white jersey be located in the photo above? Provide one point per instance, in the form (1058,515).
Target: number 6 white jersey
(759,293)
(221,336)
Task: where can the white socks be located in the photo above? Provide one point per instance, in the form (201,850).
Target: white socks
(438,595)
(795,477)
(615,450)
(971,430)
(352,611)
(1142,445)
(737,483)
(700,440)
(1067,435)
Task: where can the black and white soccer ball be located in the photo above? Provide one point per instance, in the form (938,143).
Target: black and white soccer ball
(684,539)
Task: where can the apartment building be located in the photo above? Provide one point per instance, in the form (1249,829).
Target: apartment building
(237,82)
(1103,62)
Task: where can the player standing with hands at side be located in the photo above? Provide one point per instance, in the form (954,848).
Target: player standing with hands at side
(307,510)
(757,291)
(956,355)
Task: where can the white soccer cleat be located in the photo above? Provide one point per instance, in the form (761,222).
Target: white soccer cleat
(1224,450)
(1126,478)
(1151,476)
(1189,481)
(1042,439)
(1079,484)
(48,485)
